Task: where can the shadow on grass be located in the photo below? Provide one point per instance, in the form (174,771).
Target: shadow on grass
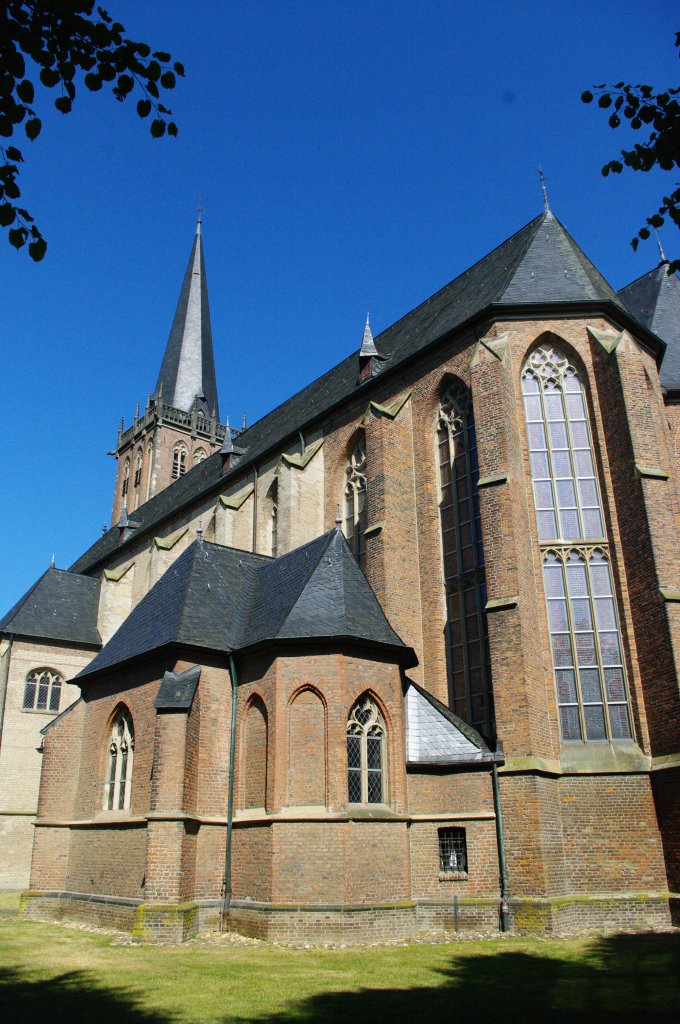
(621,978)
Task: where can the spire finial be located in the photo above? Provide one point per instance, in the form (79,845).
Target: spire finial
(338,519)
(544,189)
(367,344)
(199,216)
(662,254)
(52,562)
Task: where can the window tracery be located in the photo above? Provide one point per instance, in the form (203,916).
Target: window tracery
(118,783)
(126,477)
(356,508)
(590,681)
(199,455)
(179,461)
(138,469)
(366,754)
(464,573)
(42,691)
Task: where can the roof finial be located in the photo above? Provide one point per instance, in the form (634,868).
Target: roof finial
(367,344)
(52,562)
(199,216)
(662,254)
(338,518)
(546,203)
(199,532)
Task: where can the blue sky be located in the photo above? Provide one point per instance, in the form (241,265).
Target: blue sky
(349,157)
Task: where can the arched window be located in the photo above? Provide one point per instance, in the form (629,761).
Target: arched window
(126,477)
(586,647)
(199,455)
(273,524)
(356,511)
(366,754)
(138,469)
(149,458)
(42,691)
(179,461)
(119,763)
(465,580)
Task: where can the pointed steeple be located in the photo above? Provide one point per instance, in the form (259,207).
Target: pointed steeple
(367,344)
(188,368)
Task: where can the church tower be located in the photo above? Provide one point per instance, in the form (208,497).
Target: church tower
(180,423)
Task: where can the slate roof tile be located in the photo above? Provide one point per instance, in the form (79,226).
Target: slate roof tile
(61,605)
(654,300)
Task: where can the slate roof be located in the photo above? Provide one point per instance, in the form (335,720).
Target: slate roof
(222,599)
(435,735)
(188,367)
(654,300)
(540,265)
(59,606)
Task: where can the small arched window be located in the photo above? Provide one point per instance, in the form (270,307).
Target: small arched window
(366,754)
(274,519)
(138,469)
(199,455)
(120,757)
(179,461)
(42,691)
(126,477)
(356,509)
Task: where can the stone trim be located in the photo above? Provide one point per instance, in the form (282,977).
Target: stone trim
(303,460)
(237,500)
(374,528)
(168,543)
(492,480)
(654,472)
(667,761)
(390,411)
(114,575)
(500,603)
(670,593)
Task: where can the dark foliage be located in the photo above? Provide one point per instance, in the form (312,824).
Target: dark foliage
(61,44)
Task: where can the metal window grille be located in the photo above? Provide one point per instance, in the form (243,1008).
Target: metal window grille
(452,850)
(466,629)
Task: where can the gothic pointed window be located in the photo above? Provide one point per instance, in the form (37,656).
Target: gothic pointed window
(366,754)
(590,681)
(356,509)
(179,461)
(465,580)
(120,756)
(138,469)
(199,455)
(126,477)
(42,690)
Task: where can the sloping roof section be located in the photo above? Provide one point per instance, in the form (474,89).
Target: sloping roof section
(434,735)
(540,264)
(188,367)
(59,606)
(222,599)
(654,300)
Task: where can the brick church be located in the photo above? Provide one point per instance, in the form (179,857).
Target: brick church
(401,655)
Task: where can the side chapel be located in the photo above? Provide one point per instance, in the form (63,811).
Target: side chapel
(401,655)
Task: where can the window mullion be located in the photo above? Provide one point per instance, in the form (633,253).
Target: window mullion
(572,458)
(564,555)
(551,460)
(598,648)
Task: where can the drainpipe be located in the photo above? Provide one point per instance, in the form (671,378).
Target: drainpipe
(505,910)
(226,887)
(4,675)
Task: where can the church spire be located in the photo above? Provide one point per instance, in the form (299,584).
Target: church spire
(188,370)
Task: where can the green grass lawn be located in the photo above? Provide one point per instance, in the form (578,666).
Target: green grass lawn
(54,973)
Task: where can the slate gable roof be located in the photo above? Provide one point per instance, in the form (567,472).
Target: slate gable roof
(188,367)
(59,606)
(222,599)
(654,300)
(539,265)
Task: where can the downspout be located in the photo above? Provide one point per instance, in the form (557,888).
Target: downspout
(254,510)
(226,887)
(4,676)
(500,840)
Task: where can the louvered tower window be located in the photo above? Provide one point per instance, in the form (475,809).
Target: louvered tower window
(356,510)
(592,695)
(466,628)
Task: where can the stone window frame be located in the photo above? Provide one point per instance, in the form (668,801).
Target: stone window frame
(367,775)
(139,458)
(355,500)
(179,460)
(199,456)
(40,687)
(555,401)
(126,477)
(119,762)
(453,854)
(467,643)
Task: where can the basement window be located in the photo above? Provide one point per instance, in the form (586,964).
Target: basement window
(453,861)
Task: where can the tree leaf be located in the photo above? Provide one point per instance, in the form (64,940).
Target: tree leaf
(32,128)
(157,128)
(49,77)
(172,129)
(93,81)
(25,91)
(586,97)
(17,237)
(168,80)
(6,215)
(37,249)
(63,104)
(12,153)
(144,108)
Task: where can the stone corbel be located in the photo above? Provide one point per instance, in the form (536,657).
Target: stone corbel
(494,480)
(303,460)
(496,346)
(608,339)
(499,604)
(167,543)
(114,575)
(390,411)
(653,472)
(236,501)
(374,528)
(670,593)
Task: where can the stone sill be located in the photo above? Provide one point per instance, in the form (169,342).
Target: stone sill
(453,876)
